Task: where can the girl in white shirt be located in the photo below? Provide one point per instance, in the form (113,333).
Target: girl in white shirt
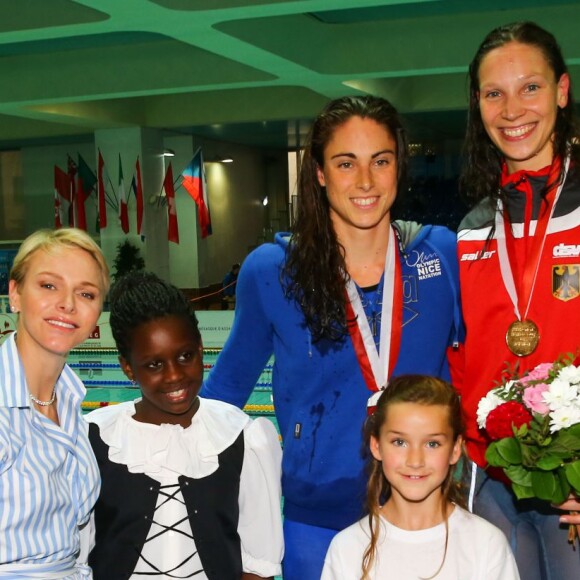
(416,527)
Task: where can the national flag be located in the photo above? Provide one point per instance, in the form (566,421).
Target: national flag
(139,197)
(86,181)
(193,180)
(57,219)
(123,210)
(72,172)
(172,229)
(133,188)
(101,193)
(62,197)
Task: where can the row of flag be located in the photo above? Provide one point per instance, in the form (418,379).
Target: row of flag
(73,187)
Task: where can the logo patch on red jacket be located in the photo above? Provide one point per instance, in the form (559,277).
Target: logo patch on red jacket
(566,281)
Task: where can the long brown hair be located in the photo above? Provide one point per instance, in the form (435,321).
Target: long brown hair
(424,390)
(482,164)
(315,272)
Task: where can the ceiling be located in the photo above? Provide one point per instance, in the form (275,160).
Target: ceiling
(248,71)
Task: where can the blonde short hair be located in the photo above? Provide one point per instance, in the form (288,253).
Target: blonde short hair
(49,240)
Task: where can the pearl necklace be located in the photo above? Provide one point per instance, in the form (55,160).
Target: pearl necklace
(44,403)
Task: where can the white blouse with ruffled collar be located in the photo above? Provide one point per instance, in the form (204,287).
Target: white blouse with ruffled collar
(164,452)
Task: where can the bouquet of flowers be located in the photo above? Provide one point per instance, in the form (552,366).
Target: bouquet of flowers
(533,422)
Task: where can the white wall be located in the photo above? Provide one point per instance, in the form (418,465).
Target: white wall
(238,217)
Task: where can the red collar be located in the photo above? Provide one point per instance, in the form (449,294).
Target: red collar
(518,176)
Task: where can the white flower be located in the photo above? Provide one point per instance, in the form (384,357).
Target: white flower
(488,404)
(560,394)
(570,374)
(564,417)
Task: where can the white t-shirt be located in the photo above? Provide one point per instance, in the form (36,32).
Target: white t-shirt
(476,550)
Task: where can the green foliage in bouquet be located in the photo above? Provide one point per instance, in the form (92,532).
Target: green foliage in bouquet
(533,422)
(540,464)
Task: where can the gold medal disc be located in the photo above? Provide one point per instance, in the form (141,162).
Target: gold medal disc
(522,337)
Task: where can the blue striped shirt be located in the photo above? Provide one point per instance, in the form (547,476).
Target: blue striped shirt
(49,479)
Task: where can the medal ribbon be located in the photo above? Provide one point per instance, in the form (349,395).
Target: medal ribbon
(521,296)
(377,367)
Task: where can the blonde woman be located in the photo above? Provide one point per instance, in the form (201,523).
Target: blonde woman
(49,479)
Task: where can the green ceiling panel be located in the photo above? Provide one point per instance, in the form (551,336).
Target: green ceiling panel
(212,4)
(398,47)
(261,66)
(423,9)
(227,106)
(34,14)
(16,128)
(76,43)
(166,65)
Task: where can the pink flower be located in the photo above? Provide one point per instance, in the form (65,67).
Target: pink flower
(533,399)
(539,373)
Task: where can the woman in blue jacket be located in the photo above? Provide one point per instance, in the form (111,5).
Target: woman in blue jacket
(343,303)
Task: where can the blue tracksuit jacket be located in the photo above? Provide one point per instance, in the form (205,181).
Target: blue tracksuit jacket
(319,392)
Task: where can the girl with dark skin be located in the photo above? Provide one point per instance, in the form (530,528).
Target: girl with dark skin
(190,486)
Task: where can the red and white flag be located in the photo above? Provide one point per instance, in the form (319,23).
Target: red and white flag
(139,197)
(123,209)
(172,229)
(101,193)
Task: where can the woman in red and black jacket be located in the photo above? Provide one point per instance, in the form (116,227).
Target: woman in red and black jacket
(519,255)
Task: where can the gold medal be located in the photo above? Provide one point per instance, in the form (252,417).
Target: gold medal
(522,337)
